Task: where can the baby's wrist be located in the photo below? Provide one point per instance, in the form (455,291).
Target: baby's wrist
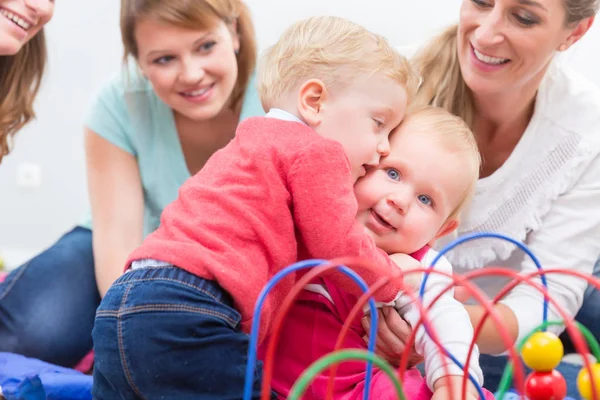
(454,380)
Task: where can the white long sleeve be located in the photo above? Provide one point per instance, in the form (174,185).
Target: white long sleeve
(547,196)
(568,238)
(449,320)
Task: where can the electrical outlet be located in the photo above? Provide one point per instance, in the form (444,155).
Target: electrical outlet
(29,175)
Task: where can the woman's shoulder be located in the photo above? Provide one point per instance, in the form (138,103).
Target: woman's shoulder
(560,145)
(126,109)
(125,85)
(128,98)
(571,101)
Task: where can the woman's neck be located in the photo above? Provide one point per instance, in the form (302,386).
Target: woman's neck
(500,122)
(200,139)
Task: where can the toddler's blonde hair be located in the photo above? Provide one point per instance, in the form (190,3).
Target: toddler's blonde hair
(333,50)
(454,135)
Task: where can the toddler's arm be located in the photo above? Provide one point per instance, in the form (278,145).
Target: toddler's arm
(325,208)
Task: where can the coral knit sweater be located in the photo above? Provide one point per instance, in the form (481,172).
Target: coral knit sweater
(276,187)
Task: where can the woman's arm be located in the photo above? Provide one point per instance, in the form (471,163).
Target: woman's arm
(489,340)
(115,192)
(566,238)
(393,332)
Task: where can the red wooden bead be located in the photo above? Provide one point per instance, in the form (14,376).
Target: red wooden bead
(545,386)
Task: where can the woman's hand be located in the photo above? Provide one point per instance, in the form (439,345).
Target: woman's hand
(392,334)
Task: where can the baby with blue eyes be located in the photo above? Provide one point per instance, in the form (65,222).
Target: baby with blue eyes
(413,197)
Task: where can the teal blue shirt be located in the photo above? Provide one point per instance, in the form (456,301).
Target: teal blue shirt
(128,113)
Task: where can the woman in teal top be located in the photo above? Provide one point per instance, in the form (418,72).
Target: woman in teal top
(149,129)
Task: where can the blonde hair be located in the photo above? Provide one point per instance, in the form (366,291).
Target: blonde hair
(453,134)
(333,50)
(199,15)
(20,79)
(443,84)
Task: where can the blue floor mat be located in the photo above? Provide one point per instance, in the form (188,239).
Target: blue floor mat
(23,378)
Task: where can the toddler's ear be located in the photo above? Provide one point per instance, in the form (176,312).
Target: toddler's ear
(311,97)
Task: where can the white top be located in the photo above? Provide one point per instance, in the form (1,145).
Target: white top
(447,317)
(546,195)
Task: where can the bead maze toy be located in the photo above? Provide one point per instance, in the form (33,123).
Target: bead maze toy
(541,350)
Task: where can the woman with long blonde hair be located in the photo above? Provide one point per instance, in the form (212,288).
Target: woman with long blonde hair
(22,62)
(537,125)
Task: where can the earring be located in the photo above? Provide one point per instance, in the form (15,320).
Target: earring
(237,52)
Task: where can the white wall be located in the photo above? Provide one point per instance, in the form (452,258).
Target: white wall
(85,50)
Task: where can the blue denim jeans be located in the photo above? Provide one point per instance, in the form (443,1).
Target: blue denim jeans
(493,367)
(164,333)
(47,305)
(589,313)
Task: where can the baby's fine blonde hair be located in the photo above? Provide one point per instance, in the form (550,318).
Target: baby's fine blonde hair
(333,50)
(454,135)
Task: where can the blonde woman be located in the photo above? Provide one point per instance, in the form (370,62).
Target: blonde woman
(177,100)
(537,124)
(22,62)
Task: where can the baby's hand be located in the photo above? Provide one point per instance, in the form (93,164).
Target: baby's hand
(408,263)
(404,261)
(442,391)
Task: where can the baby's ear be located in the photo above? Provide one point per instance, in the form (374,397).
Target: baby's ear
(449,226)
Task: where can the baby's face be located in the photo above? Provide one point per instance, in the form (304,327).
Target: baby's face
(405,202)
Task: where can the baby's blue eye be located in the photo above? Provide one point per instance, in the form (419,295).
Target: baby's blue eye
(393,174)
(425,199)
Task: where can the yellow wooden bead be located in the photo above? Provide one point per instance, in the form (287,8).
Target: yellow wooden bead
(584,383)
(542,352)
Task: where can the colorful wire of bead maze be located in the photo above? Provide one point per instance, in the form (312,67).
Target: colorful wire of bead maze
(540,350)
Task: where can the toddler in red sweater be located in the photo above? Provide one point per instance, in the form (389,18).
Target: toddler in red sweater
(178,319)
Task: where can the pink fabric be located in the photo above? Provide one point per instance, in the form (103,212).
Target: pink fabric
(309,332)
(3,276)
(86,364)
